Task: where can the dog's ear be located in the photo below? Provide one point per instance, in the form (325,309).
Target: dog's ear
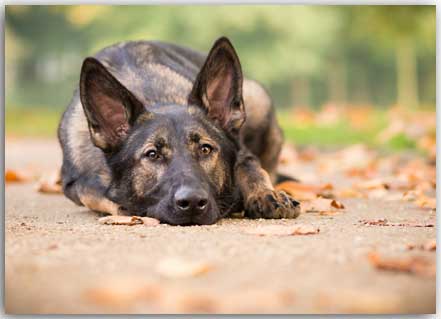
(218,87)
(110,108)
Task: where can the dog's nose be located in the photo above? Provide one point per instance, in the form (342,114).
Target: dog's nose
(191,200)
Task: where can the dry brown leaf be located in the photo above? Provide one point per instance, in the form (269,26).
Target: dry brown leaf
(321,205)
(349,193)
(50,183)
(14,176)
(414,264)
(301,191)
(337,204)
(128,220)
(363,172)
(174,267)
(372,184)
(282,230)
(385,222)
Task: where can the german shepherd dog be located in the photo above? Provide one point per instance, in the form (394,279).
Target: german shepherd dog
(160,130)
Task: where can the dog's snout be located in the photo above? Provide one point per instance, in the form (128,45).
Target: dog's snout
(191,199)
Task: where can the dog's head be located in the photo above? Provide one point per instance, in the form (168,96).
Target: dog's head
(171,162)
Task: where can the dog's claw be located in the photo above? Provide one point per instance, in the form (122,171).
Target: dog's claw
(272,204)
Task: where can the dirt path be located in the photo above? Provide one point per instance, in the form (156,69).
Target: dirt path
(59,259)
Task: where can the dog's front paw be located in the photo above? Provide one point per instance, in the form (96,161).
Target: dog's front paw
(271,204)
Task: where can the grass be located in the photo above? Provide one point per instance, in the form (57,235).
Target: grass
(43,122)
(26,122)
(342,133)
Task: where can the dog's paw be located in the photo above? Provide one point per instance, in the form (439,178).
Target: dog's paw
(272,204)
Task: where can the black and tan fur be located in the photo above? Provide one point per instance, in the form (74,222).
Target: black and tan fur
(153,123)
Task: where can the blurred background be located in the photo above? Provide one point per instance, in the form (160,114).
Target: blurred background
(337,74)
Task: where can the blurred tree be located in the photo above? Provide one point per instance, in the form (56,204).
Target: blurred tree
(404,30)
(305,54)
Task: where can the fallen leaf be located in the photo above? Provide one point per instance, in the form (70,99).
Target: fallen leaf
(15,176)
(337,204)
(50,183)
(349,193)
(372,184)
(363,172)
(385,222)
(282,230)
(414,264)
(174,267)
(301,191)
(321,205)
(128,220)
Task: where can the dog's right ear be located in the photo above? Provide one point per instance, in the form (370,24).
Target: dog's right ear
(110,108)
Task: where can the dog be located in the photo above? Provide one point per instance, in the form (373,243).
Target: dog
(160,130)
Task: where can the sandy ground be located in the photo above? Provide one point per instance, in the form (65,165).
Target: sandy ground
(59,259)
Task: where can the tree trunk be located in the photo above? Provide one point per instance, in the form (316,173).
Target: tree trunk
(407,78)
(337,86)
(301,92)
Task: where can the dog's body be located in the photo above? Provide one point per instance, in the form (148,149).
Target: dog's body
(143,90)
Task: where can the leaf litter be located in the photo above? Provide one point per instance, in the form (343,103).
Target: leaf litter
(385,222)
(128,220)
(417,265)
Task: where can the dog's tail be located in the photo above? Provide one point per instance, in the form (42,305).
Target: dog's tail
(285,178)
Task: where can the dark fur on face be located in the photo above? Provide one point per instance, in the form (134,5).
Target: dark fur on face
(168,150)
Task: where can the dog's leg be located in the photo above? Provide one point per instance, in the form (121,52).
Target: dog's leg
(89,191)
(99,203)
(261,200)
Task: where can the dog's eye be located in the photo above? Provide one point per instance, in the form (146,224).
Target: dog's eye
(205,149)
(152,155)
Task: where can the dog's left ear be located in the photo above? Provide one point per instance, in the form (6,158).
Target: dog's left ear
(218,87)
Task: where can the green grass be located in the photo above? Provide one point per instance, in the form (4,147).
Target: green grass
(341,133)
(27,122)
